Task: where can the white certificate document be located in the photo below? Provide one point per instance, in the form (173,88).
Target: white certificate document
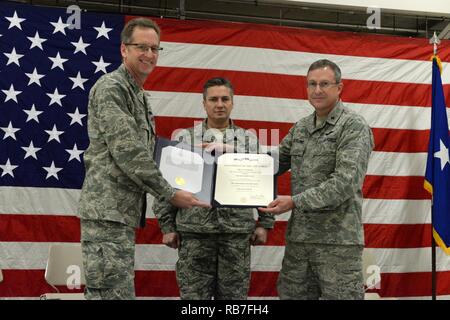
(244,179)
(183,169)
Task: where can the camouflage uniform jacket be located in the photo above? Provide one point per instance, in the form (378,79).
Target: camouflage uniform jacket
(119,163)
(218,220)
(328,165)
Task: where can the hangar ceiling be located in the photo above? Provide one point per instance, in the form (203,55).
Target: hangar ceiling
(282,13)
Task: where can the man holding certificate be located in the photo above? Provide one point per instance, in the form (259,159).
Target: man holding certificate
(328,154)
(120,170)
(214,244)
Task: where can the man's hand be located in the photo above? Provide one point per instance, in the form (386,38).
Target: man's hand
(280,205)
(186,200)
(259,236)
(172,240)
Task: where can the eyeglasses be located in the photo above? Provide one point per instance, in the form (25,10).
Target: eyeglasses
(322,85)
(144,47)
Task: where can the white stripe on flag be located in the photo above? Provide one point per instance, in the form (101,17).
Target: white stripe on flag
(189,105)
(204,56)
(33,255)
(374,210)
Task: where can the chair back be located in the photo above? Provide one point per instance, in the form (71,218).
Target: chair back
(65,265)
(371,272)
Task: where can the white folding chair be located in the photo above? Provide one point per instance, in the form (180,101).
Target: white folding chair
(370,268)
(64,268)
(1,275)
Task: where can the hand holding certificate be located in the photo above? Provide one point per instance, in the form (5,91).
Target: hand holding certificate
(225,180)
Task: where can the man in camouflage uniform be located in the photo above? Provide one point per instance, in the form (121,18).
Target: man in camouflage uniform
(328,153)
(214,245)
(120,169)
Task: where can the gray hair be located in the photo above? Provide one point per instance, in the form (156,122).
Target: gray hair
(323,63)
(127,31)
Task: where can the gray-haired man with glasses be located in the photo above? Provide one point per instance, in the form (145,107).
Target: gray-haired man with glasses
(328,153)
(144,48)
(120,169)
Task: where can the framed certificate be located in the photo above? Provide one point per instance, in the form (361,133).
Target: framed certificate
(223,180)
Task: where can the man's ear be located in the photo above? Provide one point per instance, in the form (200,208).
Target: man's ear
(340,87)
(123,50)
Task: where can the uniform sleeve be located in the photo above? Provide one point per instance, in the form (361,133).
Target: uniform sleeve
(284,153)
(121,133)
(265,220)
(352,157)
(166,214)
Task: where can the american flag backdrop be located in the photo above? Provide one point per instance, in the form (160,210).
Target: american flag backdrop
(47,70)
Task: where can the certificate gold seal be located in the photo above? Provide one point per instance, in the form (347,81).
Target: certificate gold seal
(180,181)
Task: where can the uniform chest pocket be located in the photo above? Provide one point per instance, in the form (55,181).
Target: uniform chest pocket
(324,156)
(297,148)
(325,147)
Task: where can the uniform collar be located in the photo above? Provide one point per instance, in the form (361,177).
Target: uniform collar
(124,71)
(332,117)
(205,125)
(335,114)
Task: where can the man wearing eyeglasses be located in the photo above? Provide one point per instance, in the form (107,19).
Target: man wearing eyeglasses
(120,169)
(328,154)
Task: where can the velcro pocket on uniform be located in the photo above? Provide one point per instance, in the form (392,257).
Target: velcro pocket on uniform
(297,148)
(325,147)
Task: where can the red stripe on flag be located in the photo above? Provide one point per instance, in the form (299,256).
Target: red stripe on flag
(39,228)
(389,187)
(31,283)
(398,140)
(378,187)
(388,140)
(376,235)
(151,234)
(263,284)
(272,85)
(413,284)
(25,283)
(397,235)
(156,284)
(34,228)
(296,39)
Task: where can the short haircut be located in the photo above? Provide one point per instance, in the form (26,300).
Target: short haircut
(323,63)
(127,31)
(217,82)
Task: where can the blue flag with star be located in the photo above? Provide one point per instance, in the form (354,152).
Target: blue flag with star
(437,175)
(47,67)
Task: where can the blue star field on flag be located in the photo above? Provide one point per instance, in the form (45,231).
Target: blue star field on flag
(47,67)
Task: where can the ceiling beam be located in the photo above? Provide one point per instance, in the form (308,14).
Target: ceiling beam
(438,8)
